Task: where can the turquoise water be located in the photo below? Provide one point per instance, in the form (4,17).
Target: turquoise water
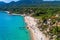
(13,27)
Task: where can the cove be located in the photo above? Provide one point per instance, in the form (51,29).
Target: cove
(12,27)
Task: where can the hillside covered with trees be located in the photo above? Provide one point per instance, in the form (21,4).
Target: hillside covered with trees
(42,10)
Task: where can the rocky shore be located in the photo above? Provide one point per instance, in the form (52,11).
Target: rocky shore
(31,22)
(36,34)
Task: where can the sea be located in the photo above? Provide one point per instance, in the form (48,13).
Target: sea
(13,27)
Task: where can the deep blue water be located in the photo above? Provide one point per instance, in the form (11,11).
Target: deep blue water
(13,27)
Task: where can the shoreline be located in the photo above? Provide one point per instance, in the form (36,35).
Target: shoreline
(31,24)
(31,34)
(36,34)
(14,14)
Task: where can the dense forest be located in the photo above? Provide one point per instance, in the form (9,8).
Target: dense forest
(39,9)
(24,4)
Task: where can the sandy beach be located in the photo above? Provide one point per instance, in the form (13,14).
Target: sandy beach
(36,34)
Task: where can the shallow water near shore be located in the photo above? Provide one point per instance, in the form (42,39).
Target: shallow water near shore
(13,27)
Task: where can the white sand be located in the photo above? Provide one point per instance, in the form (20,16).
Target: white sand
(36,33)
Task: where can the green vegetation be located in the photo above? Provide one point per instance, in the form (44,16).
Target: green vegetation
(46,14)
(42,13)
